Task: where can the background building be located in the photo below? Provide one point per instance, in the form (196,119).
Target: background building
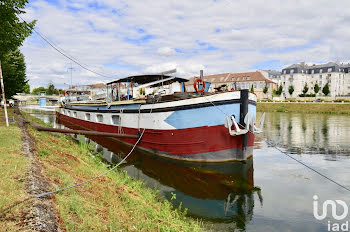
(336,75)
(231,81)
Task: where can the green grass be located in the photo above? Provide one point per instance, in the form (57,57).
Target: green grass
(13,173)
(315,108)
(111,203)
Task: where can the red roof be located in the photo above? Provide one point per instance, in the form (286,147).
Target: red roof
(233,77)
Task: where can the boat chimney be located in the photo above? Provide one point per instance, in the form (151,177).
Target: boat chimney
(201,74)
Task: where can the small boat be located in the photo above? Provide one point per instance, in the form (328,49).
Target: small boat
(188,126)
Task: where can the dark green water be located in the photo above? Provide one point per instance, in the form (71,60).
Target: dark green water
(269,192)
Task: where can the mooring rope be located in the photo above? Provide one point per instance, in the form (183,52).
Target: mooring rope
(103,174)
(40,195)
(307,166)
(285,153)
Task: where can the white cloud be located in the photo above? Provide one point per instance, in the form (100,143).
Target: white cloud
(166,51)
(118,38)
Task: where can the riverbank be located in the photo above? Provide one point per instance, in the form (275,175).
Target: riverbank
(301,107)
(111,203)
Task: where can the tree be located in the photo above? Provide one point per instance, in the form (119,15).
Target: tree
(252,89)
(306,88)
(26,88)
(279,90)
(325,90)
(13,31)
(291,90)
(37,90)
(14,72)
(51,89)
(316,88)
(265,89)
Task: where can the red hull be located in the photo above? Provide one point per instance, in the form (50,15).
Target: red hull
(212,143)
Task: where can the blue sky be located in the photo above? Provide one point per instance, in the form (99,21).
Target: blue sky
(120,38)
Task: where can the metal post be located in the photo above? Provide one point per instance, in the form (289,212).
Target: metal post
(201,77)
(243,112)
(128,91)
(107,94)
(118,91)
(3,95)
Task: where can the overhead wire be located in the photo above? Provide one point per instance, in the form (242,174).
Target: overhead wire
(62,52)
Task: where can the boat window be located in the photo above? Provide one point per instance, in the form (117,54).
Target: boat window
(87,116)
(68,113)
(99,118)
(116,119)
(74,114)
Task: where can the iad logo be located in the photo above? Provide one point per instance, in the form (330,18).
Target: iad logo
(333,207)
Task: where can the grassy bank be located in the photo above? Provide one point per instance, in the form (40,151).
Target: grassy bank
(323,108)
(114,202)
(13,172)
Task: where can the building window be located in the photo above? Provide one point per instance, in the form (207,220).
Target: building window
(248,78)
(221,78)
(237,78)
(329,69)
(292,71)
(312,71)
(255,85)
(116,119)
(284,71)
(321,70)
(99,118)
(87,116)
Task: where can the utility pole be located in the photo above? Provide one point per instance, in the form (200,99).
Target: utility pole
(71,69)
(3,95)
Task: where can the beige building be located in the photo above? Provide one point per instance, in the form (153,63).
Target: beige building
(232,81)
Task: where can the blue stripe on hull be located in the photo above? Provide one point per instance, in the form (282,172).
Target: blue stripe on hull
(206,116)
(252,110)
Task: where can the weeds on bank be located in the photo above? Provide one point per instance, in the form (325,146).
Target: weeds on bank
(110,203)
(12,172)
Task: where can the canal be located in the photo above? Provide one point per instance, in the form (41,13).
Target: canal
(270,192)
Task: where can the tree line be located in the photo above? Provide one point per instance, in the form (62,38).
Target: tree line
(317,88)
(50,90)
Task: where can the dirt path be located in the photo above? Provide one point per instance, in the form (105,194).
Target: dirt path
(42,216)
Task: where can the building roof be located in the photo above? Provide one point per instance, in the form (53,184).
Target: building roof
(98,86)
(233,77)
(272,72)
(142,79)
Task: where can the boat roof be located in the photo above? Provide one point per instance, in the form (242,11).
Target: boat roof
(143,79)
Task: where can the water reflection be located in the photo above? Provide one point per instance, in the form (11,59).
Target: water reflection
(218,192)
(309,133)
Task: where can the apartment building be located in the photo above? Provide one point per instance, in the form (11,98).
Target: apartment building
(336,75)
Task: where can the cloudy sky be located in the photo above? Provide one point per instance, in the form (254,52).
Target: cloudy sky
(120,38)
